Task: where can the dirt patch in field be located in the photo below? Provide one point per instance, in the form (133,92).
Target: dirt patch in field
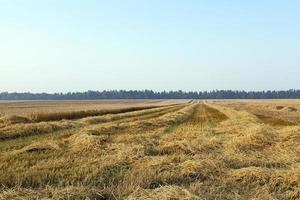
(274,121)
(279,107)
(292,109)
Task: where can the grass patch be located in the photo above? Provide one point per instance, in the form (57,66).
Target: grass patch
(211,124)
(166,130)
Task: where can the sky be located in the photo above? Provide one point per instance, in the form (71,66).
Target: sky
(193,45)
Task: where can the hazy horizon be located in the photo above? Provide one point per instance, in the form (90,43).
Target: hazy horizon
(156,91)
(68,46)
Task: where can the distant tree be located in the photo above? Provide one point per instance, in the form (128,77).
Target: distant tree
(150,94)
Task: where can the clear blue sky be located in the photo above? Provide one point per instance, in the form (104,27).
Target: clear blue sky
(72,45)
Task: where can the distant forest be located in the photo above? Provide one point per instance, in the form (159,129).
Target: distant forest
(149,94)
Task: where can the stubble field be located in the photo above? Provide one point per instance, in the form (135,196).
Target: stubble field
(173,149)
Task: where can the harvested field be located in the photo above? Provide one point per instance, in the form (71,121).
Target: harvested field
(163,150)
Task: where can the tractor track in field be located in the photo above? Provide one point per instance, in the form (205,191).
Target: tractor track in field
(205,115)
(179,137)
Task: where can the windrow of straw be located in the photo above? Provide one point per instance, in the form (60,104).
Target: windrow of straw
(140,125)
(56,116)
(23,130)
(39,117)
(28,129)
(113,117)
(13,119)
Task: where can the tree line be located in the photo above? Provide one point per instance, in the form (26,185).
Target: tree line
(150,94)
